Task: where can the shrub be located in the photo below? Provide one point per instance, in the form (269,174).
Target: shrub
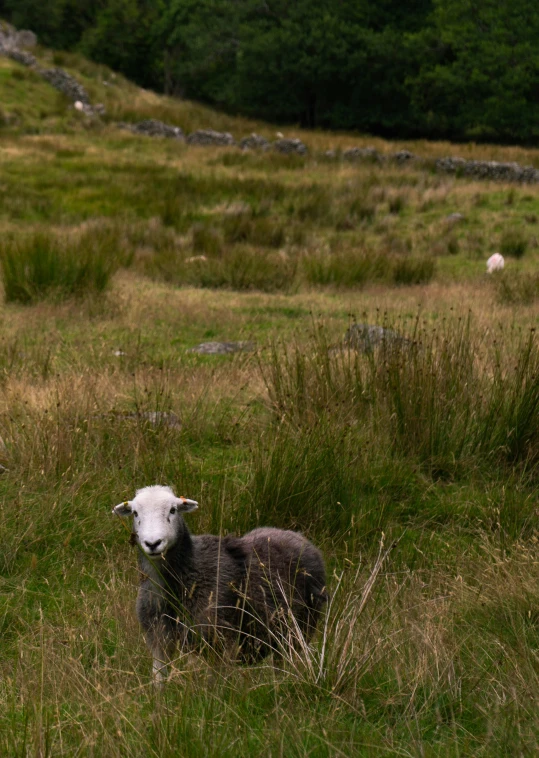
(44,264)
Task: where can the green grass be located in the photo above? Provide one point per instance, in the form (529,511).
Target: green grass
(45,265)
(414,468)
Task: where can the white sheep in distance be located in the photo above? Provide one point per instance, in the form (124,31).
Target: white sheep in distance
(496,262)
(241,595)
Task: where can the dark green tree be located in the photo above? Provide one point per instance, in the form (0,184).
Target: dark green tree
(479,71)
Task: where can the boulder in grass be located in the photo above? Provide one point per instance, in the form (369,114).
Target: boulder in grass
(362,154)
(402,157)
(154,128)
(222,348)
(366,337)
(290,146)
(210,137)
(254,142)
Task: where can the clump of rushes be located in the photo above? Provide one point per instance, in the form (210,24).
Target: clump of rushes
(46,265)
(434,396)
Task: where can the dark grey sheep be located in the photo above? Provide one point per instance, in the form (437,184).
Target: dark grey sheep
(244,595)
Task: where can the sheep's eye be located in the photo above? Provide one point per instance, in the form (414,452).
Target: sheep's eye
(173,510)
(135,514)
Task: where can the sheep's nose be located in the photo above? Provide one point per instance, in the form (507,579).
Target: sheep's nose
(152,545)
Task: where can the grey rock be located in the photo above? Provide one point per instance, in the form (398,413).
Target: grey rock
(455,218)
(290,146)
(25,38)
(20,56)
(402,156)
(154,128)
(365,337)
(493,170)
(223,348)
(210,137)
(254,142)
(362,154)
(8,37)
(65,83)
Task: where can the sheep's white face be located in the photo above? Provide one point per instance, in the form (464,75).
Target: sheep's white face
(157,516)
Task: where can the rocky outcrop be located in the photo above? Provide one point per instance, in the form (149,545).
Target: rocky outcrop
(366,337)
(290,146)
(403,156)
(362,154)
(21,56)
(501,172)
(65,83)
(154,128)
(254,142)
(13,39)
(210,137)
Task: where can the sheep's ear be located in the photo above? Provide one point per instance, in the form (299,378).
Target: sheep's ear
(185,505)
(123,509)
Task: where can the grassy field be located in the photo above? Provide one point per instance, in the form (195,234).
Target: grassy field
(415,469)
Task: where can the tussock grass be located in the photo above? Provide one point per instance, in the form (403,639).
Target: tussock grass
(518,288)
(44,265)
(413,466)
(430,550)
(435,395)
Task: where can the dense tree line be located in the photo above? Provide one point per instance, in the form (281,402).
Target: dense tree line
(438,68)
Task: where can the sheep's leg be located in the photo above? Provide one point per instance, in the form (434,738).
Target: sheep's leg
(162,651)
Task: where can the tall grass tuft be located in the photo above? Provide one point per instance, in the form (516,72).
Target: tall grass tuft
(518,288)
(48,265)
(437,396)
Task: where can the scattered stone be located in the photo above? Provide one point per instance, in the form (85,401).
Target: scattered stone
(496,262)
(501,172)
(11,39)
(290,146)
(402,156)
(254,142)
(210,137)
(331,154)
(21,56)
(196,259)
(362,154)
(65,83)
(25,38)
(365,337)
(223,348)
(455,218)
(154,128)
